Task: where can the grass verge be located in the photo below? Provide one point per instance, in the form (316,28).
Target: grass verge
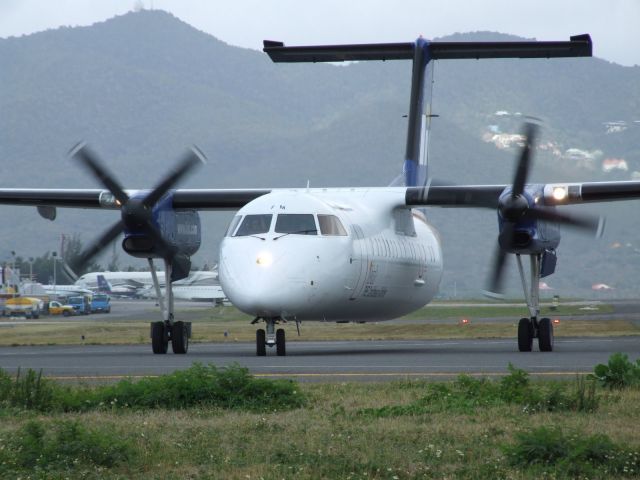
(482,432)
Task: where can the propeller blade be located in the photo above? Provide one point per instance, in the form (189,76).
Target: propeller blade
(590,224)
(83,154)
(192,158)
(98,245)
(494,288)
(522,172)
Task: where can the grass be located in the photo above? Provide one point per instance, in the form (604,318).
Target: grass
(328,437)
(438,321)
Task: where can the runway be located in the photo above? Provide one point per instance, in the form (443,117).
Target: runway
(328,361)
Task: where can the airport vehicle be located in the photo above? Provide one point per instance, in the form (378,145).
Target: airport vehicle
(57,308)
(339,254)
(100,303)
(23,306)
(80,303)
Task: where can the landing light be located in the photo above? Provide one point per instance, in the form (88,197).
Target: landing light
(559,193)
(556,321)
(264,259)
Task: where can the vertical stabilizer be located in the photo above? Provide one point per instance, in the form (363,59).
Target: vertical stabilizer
(421,52)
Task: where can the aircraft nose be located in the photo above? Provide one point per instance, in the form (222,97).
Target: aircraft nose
(261,284)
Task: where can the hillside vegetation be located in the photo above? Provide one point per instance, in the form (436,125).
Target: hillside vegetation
(142,87)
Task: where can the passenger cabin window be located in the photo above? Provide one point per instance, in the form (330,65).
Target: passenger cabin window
(253,225)
(233,225)
(331,225)
(296,223)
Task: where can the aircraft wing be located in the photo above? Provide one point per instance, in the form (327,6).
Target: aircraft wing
(47,199)
(554,194)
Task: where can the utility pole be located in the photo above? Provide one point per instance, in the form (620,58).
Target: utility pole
(54,255)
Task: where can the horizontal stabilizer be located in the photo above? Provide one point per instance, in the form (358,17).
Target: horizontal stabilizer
(338,53)
(578,46)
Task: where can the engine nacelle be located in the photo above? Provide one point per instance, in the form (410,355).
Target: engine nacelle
(180,229)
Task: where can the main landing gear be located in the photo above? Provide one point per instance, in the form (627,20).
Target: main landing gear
(530,328)
(270,337)
(178,333)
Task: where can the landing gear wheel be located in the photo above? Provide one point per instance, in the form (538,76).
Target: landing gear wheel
(179,338)
(159,340)
(280,343)
(261,343)
(545,335)
(525,335)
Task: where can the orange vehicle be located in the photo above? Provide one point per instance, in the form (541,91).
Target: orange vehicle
(56,308)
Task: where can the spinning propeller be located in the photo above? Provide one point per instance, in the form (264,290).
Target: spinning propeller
(136,213)
(516,207)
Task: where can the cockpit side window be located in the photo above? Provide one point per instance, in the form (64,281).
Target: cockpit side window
(253,225)
(296,223)
(331,225)
(233,225)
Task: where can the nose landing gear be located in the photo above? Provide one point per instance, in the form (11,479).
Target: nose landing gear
(270,337)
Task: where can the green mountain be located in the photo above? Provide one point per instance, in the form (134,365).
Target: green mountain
(141,87)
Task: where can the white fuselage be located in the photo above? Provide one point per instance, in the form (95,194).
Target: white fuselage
(384,263)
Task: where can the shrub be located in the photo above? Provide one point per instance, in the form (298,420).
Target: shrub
(466,394)
(619,372)
(231,388)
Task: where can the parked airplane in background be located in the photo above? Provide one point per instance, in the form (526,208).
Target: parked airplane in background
(56,290)
(190,288)
(142,279)
(338,254)
(122,290)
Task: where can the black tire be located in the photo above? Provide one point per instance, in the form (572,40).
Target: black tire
(66,313)
(108,310)
(261,343)
(545,335)
(525,335)
(281,349)
(179,338)
(159,340)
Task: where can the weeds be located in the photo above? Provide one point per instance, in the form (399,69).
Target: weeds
(467,394)
(619,372)
(574,456)
(229,388)
(62,446)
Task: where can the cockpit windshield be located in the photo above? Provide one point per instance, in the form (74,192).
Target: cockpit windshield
(233,225)
(296,223)
(253,225)
(331,225)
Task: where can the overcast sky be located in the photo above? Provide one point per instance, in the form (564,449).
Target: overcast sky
(613,24)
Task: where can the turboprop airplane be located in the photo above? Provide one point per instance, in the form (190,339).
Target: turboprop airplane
(336,254)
